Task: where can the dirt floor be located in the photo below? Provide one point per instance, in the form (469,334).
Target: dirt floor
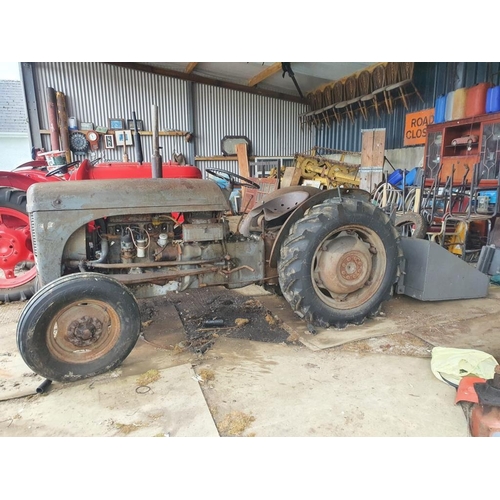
(216,362)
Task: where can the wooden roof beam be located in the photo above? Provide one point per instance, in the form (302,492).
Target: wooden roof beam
(190,67)
(266,73)
(208,81)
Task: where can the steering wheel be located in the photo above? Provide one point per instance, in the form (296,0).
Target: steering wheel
(234,179)
(62,169)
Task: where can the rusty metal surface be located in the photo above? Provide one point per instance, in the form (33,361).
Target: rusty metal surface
(167,195)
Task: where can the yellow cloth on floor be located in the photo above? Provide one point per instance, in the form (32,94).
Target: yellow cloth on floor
(451,365)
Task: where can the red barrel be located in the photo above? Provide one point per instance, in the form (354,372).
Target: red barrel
(476,99)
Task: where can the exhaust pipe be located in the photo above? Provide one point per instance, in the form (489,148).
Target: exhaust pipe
(137,142)
(156,161)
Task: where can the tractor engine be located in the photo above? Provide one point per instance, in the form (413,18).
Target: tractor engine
(142,239)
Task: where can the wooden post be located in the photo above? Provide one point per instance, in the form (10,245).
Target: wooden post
(372,158)
(63,124)
(52,115)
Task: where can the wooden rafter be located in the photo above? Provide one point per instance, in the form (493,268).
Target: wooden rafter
(193,77)
(190,67)
(266,73)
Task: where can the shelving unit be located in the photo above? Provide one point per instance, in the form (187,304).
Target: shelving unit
(460,187)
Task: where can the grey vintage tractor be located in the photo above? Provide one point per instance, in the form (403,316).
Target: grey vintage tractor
(101,244)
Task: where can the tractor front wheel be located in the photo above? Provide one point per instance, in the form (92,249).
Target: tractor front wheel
(78,326)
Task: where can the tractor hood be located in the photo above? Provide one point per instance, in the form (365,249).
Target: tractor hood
(174,195)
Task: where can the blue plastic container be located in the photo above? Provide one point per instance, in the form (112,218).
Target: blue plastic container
(493,100)
(439,109)
(396,177)
(410,178)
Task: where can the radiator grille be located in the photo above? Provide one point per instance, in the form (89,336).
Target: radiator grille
(33,239)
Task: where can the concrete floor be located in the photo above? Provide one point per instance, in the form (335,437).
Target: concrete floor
(371,380)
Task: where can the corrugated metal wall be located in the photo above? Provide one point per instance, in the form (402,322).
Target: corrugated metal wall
(432,80)
(270,124)
(96,92)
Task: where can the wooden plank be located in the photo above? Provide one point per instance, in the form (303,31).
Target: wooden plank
(378,150)
(291,177)
(241,152)
(266,73)
(366,148)
(190,67)
(287,178)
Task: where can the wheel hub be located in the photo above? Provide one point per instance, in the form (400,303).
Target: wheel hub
(344,264)
(84,331)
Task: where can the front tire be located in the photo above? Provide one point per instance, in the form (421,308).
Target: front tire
(78,326)
(339,263)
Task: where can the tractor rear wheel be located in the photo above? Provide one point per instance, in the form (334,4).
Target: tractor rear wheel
(339,263)
(17,261)
(78,326)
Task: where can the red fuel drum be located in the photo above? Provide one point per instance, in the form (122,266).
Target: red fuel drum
(476,99)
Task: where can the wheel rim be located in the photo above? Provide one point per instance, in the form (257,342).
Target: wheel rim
(348,267)
(83,331)
(17,261)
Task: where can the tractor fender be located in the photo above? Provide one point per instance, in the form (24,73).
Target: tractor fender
(298,213)
(24,180)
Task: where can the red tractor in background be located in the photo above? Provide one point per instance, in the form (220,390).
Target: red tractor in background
(17,262)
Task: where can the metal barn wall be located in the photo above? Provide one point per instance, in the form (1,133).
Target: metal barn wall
(271,125)
(432,79)
(96,92)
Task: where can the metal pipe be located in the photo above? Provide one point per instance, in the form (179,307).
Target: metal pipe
(156,160)
(137,142)
(172,263)
(43,386)
(104,251)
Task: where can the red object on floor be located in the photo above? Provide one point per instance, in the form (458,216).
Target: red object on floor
(485,421)
(466,391)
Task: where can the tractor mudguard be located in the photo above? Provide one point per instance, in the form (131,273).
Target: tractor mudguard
(24,180)
(299,211)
